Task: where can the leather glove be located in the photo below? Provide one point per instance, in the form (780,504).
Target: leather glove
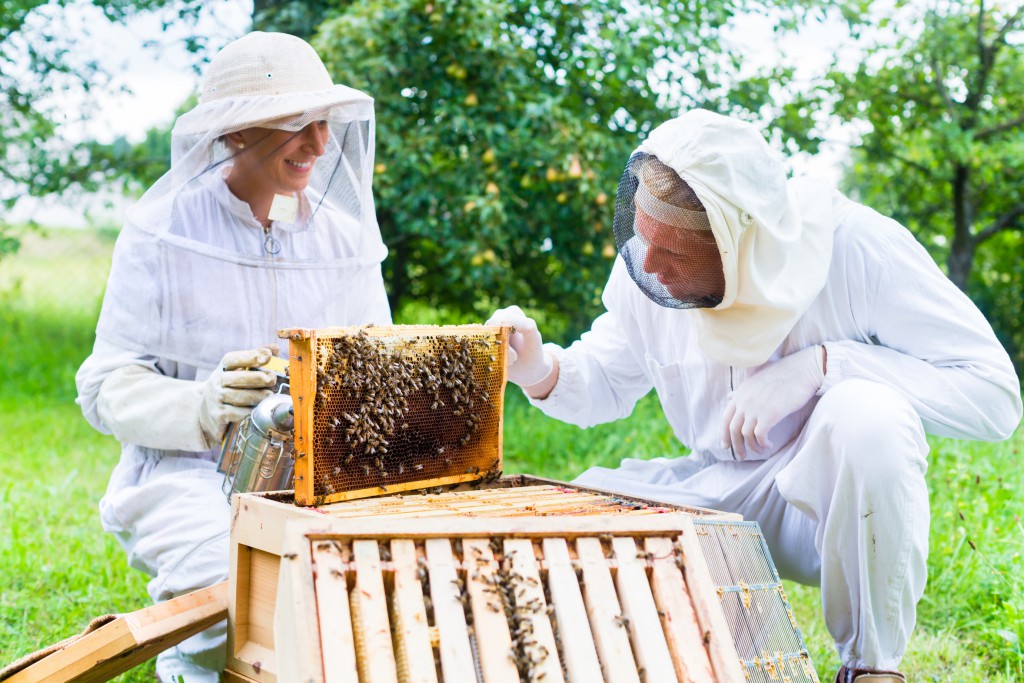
(230,393)
(769,396)
(528,363)
(141,406)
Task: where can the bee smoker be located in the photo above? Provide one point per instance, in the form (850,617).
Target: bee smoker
(256,454)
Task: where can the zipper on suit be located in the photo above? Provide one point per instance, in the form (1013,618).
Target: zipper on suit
(732,449)
(271,248)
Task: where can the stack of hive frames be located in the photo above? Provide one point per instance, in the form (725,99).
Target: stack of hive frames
(764,629)
(386,409)
(259,521)
(577,599)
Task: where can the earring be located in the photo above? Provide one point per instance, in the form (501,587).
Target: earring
(241,145)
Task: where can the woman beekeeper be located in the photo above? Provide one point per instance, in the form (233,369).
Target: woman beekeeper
(801,345)
(264,221)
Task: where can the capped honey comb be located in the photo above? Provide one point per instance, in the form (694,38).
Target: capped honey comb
(382,409)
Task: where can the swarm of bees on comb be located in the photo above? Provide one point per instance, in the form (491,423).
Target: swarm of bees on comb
(391,408)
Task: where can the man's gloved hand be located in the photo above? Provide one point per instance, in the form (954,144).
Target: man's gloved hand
(230,393)
(767,397)
(528,363)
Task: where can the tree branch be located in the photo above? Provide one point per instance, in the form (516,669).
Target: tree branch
(1008,26)
(989,132)
(913,164)
(1004,222)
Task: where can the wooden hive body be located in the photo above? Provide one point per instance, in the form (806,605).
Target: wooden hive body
(730,572)
(501,600)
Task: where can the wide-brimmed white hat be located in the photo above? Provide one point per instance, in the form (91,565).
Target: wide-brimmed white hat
(272,80)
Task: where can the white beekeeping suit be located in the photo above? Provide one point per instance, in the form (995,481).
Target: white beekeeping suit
(804,386)
(264,221)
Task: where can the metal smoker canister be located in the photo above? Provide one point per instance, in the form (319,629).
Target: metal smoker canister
(257,454)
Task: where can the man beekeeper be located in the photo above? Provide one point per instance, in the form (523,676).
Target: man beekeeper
(801,345)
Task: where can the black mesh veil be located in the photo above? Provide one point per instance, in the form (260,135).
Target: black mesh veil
(663,234)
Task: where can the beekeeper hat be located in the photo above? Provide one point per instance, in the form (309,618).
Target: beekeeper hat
(280,72)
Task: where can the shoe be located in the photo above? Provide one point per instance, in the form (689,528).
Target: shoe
(846,675)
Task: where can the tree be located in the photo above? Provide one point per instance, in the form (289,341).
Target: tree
(943,153)
(40,62)
(503,127)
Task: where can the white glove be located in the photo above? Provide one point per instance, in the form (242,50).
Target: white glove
(528,363)
(767,397)
(141,406)
(230,393)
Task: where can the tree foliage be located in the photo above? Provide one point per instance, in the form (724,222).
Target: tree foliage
(503,127)
(941,96)
(42,63)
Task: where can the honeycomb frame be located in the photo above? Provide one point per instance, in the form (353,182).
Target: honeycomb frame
(385,409)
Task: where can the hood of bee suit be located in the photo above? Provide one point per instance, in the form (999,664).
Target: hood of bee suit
(774,234)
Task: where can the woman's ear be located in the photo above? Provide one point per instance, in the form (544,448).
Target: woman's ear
(236,139)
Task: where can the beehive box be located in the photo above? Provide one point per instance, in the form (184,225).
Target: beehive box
(550,599)
(380,410)
(258,536)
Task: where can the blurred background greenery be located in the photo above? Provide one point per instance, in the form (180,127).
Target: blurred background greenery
(502,127)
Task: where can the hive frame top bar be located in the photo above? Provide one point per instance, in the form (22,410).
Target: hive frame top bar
(296,333)
(668,524)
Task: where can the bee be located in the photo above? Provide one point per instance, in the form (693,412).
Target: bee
(621,620)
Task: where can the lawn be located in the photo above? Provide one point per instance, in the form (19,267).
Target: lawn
(58,569)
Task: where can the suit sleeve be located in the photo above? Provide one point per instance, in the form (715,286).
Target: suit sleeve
(600,376)
(931,343)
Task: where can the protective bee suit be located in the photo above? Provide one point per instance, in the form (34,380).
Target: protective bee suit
(805,393)
(199,286)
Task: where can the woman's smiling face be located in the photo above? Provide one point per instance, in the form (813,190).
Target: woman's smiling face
(280,161)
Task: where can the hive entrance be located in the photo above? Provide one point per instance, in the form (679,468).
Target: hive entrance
(385,409)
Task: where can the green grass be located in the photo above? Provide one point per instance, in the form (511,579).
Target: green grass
(58,569)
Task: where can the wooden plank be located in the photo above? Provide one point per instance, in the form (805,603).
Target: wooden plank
(302,376)
(678,617)
(296,632)
(372,629)
(652,653)
(257,535)
(531,606)
(130,639)
(229,676)
(714,627)
(604,613)
(493,642)
(397,487)
(486,527)
(578,649)
(333,614)
(415,657)
(252,581)
(449,616)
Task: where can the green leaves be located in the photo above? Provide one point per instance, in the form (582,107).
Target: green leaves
(502,129)
(939,97)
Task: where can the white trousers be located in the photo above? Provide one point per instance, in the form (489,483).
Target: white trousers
(844,505)
(174,522)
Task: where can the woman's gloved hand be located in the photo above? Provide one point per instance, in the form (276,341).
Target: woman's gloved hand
(767,397)
(528,363)
(230,393)
(139,405)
